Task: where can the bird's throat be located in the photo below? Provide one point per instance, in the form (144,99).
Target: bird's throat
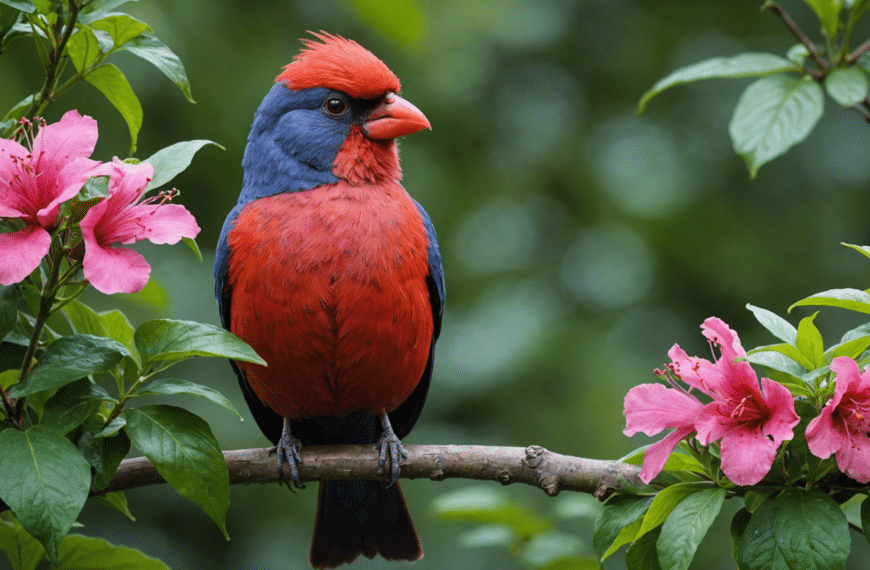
(362,161)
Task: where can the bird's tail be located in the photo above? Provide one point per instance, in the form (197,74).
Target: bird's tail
(362,517)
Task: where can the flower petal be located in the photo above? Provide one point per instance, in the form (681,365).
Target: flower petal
(783,417)
(67,184)
(854,459)
(166,223)
(58,144)
(711,423)
(13,200)
(657,454)
(720,333)
(747,455)
(694,371)
(651,408)
(824,436)
(21,252)
(115,270)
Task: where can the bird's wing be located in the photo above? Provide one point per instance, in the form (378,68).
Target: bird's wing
(269,422)
(405,416)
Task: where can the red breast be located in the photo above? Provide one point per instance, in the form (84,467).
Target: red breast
(329,287)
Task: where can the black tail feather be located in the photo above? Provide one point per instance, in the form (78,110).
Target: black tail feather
(362,517)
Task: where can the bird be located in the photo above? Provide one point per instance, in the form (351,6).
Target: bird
(331,272)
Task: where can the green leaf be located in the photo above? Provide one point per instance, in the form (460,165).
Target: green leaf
(849,299)
(798,53)
(738,527)
(84,48)
(809,342)
(851,348)
(170,386)
(742,65)
(167,339)
(847,85)
(103,5)
(862,249)
(8,378)
(23,551)
(787,350)
(69,358)
(16,112)
(620,511)
(154,51)
(174,159)
(796,529)
(665,502)
(85,553)
(865,518)
(486,505)
(642,554)
(103,453)
(772,115)
(778,326)
(94,190)
(185,452)
(120,27)
(686,526)
(109,80)
(26,6)
(828,12)
(45,482)
(9,298)
(626,535)
(72,405)
(117,501)
(111,324)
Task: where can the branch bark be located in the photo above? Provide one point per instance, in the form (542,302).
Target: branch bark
(531,465)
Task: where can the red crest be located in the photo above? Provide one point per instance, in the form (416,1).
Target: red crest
(337,63)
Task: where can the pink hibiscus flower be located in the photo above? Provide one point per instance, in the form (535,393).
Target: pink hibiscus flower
(33,185)
(123,219)
(842,426)
(751,423)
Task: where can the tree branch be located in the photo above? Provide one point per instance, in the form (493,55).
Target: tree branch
(531,465)
(800,35)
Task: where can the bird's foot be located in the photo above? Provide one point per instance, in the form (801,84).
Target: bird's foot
(390,446)
(288,451)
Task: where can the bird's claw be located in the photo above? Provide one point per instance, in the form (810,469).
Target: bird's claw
(288,451)
(390,446)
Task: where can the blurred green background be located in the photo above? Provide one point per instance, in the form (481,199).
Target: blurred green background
(580,241)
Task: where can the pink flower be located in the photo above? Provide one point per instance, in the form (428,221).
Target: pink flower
(122,219)
(750,421)
(33,185)
(652,408)
(842,426)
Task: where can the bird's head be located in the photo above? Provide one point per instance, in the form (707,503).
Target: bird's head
(335,110)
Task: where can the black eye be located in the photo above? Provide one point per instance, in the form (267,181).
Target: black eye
(335,106)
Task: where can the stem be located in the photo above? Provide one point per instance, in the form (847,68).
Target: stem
(46,95)
(800,35)
(859,51)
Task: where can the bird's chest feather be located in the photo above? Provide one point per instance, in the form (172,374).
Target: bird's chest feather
(329,287)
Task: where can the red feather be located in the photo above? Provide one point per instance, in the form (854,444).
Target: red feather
(331,293)
(340,64)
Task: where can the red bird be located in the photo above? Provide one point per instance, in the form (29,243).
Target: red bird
(331,272)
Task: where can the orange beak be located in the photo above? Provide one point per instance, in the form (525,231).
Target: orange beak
(395,117)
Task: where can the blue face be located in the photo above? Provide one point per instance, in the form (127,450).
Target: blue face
(295,138)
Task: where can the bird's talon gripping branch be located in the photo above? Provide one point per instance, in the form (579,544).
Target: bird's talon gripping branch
(288,451)
(391,446)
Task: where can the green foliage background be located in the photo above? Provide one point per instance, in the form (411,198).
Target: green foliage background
(580,241)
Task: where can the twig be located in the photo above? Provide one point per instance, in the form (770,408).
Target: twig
(800,35)
(859,51)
